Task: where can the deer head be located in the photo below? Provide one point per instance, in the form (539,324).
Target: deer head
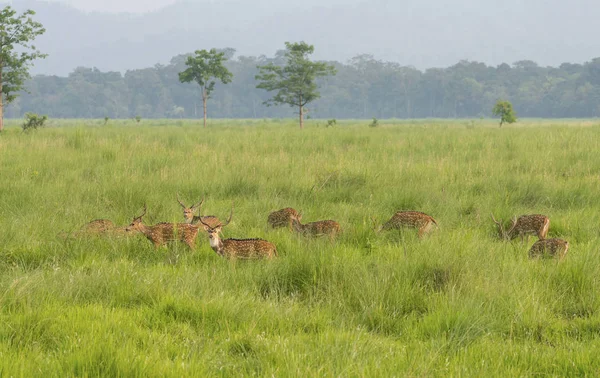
(188,212)
(213,232)
(137,222)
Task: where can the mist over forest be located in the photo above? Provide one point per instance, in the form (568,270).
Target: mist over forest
(123,65)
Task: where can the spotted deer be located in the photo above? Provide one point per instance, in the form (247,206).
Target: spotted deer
(188,214)
(523,226)
(97,227)
(283,218)
(549,248)
(238,248)
(162,233)
(410,219)
(319,228)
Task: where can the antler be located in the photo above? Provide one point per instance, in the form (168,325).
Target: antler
(181,203)
(205,224)
(495,221)
(514,224)
(144,213)
(199,204)
(230,216)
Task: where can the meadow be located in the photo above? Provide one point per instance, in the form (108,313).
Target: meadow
(459,302)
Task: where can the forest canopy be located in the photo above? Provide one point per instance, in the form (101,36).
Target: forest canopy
(364,87)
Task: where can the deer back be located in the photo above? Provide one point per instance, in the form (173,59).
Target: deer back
(414,219)
(210,220)
(321,227)
(248,248)
(283,217)
(530,224)
(98,226)
(549,248)
(161,233)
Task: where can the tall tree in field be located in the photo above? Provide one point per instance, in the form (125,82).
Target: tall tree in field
(16,52)
(204,68)
(295,82)
(504,110)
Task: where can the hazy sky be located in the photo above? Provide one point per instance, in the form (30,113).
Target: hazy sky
(142,6)
(422,33)
(118,5)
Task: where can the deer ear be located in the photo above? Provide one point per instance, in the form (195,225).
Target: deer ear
(206,228)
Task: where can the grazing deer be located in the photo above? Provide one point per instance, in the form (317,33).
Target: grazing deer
(410,219)
(188,214)
(319,228)
(238,248)
(549,248)
(283,218)
(536,224)
(161,233)
(97,227)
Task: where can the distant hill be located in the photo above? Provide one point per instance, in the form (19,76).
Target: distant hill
(412,32)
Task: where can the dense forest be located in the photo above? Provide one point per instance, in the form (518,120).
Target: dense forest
(364,87)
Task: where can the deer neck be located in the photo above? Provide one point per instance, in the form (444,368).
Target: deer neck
(216,244)
(297,225)
(146,230)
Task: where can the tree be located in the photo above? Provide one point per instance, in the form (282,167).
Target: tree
(504,110)
(203,68)
(295,82)
(16,52)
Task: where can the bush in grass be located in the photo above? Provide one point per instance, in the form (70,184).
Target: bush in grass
(33,121)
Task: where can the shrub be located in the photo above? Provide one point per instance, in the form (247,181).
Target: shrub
(374,123)
(331,123)
(33,121)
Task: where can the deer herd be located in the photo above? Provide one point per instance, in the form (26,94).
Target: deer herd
(187,232)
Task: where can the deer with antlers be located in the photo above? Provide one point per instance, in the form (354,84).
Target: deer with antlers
(318,228)
(410,219)
(549,248)
(238,248)
(162,233)
(525,225)
(188,214)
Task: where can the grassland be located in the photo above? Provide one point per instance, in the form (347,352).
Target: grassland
(459,302)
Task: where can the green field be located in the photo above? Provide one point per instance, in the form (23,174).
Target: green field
(459,302)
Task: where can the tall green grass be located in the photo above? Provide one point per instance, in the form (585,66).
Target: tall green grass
(459,302)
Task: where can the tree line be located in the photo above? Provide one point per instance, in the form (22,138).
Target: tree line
(363,87)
